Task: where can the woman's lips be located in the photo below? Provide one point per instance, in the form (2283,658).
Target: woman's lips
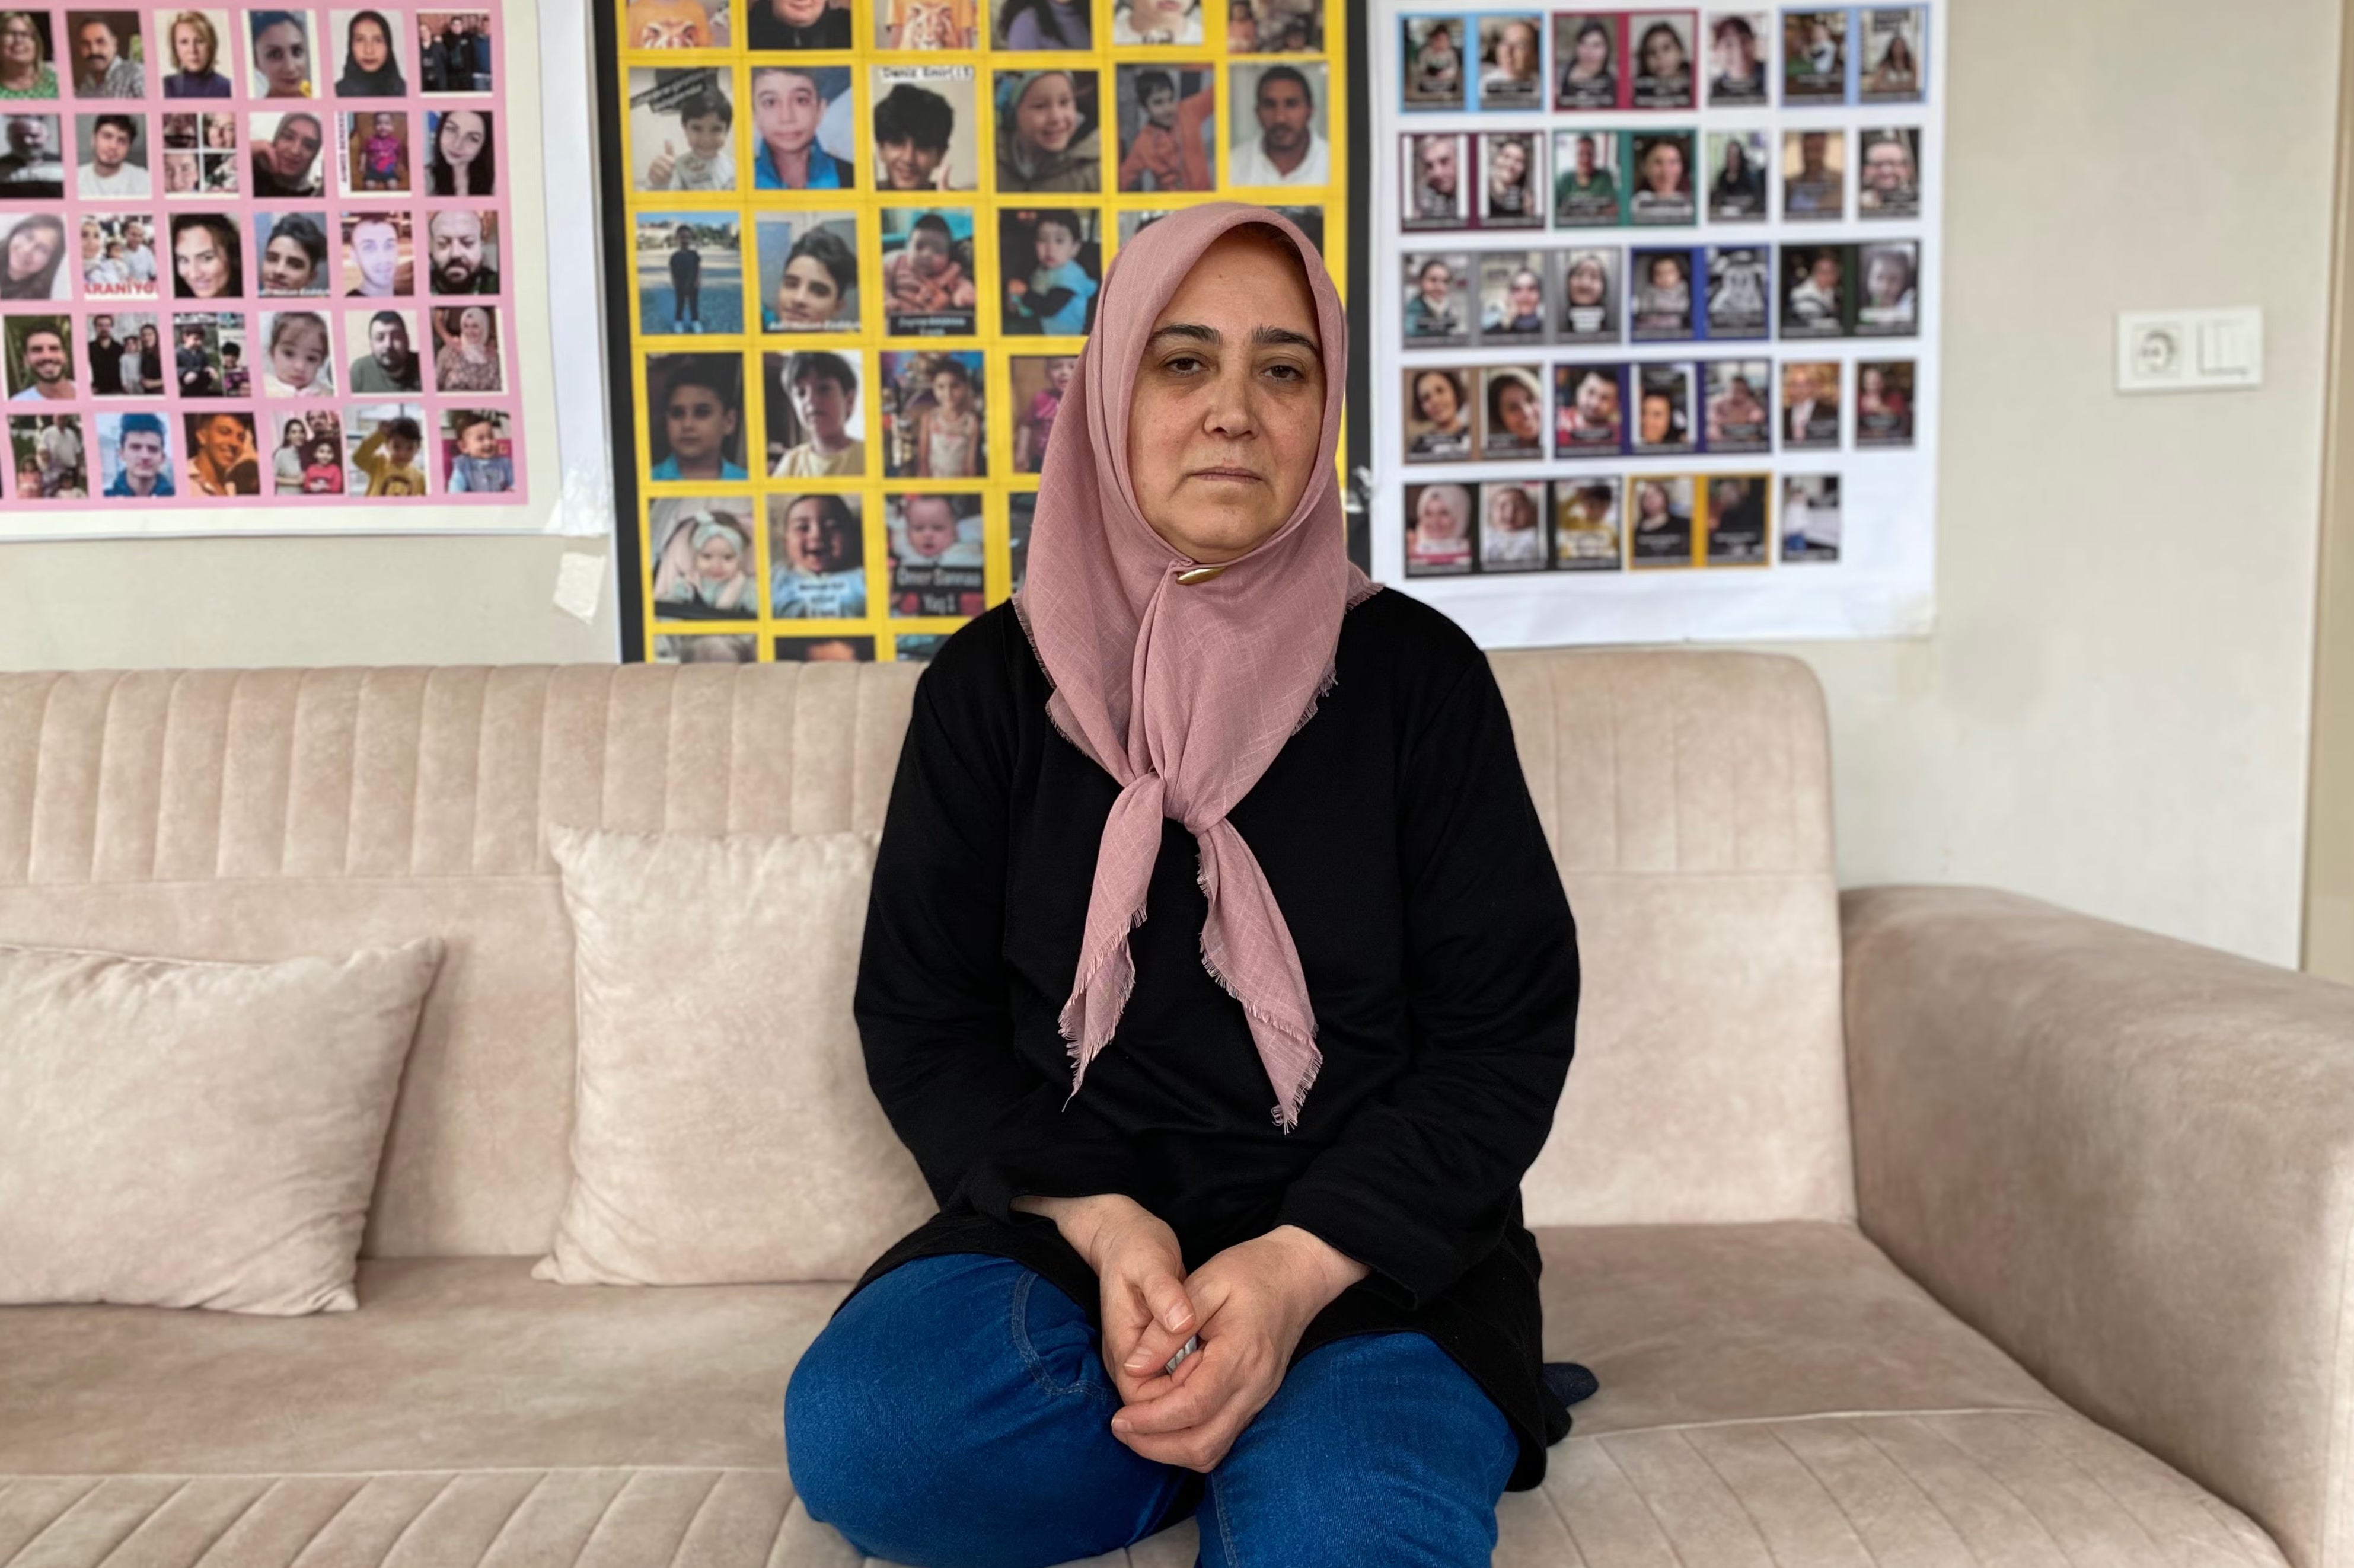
(1241,475)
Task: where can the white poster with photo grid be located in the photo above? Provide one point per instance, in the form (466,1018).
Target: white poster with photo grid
(1655,319)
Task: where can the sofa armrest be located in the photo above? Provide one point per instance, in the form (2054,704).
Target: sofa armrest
(2129,1161)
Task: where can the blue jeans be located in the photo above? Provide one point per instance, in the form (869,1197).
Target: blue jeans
(956,1415)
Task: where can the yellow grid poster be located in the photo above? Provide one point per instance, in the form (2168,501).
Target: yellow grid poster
(858,247)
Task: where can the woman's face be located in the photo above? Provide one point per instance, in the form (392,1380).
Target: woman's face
(1435,516)
(1736,161)
(1525,297)
(1592,53)
(1659,418)
(1522,418)
(1507,161)
(1435,281)
(1047,114)
(1435,398)
(807,295)
(148,339)
(474,326)
(1887,279)
(370,46)
(32,248)
(93,245)
(297,432)
(1225,430)
(191,48)
(20,45)
(286,267)
(1663,168)
(1586,283)
(1874,385)
(460,138)
(283,54)
(786,106)
(1663,53)
(201,262)
(951,392)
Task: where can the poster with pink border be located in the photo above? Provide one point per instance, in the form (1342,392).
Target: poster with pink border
(257,260)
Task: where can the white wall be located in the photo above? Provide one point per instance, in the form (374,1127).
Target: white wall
(2112,711)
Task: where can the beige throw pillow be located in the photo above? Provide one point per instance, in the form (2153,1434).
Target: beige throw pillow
(723,1128)
(182,1132)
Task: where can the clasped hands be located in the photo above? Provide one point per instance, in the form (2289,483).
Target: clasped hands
(1249,1305)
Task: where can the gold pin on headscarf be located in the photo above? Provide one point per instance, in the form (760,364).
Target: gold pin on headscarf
(1192,575)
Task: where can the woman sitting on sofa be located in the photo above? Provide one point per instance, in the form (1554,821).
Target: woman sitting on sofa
(1218,976)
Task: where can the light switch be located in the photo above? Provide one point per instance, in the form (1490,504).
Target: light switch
(2190,351)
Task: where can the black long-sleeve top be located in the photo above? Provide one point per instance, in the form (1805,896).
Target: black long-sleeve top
(1397,831)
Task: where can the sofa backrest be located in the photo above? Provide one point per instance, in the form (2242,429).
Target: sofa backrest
(260,814)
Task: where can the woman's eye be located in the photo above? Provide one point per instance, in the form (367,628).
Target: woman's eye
(1287,372)
(1181,365)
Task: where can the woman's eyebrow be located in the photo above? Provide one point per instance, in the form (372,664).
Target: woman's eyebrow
(1265,336)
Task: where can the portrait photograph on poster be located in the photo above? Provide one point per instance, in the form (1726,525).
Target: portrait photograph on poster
(932,403)
(1587,47)
(1810,405)
(1437,307)
(1663,64)
(1664,415)
(1895,38)
(1737,57)
(927,272)
(808,269)
(1585,179)
(689,273)
(1512,405)
(1512,299)
(1438,539)
(1737,519)
(1888,178)
(1438,414)
(1049,132)
(1814,175)
(1740,290)
(1512,526)
(1738,399)
(1433,52)
(1814,55)
(1589,410)
(1883,403)
(1586,532)
(816,414)
(1167,121)
(936,558)
(1436,169)
(817,556)
(1662,295)
(704,569)
(925,132)
(1590,294)
(1659,529)
(1512,65)
(1661,162)
(1736,176)
(1810,517)
(1512,180)
(1051,259)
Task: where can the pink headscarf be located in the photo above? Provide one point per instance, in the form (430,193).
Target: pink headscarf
(1183,692)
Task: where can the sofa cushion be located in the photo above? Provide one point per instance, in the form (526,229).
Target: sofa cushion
(1770,1393)
(722,1129)
(189,1133)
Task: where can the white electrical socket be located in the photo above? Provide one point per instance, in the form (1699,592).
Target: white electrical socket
(2191,351)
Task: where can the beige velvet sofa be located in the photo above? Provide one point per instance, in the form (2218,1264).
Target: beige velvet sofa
(1910,1225)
